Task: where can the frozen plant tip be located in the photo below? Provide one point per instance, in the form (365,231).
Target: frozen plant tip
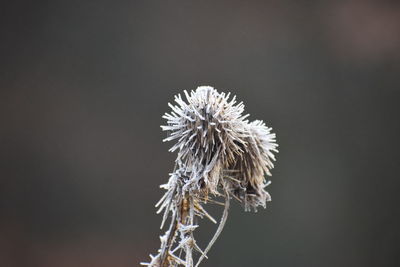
(220,154)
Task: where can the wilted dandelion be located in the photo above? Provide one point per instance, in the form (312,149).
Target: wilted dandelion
(220,153)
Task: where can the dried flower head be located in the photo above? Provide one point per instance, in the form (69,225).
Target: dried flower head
(220,153)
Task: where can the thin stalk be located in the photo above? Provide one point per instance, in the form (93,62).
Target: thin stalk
(219,229)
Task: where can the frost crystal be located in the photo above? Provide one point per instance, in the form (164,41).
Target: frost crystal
(220,153)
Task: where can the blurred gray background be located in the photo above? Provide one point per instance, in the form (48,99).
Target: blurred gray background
(83,87)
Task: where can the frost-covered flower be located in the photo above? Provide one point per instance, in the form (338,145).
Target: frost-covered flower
(251,166)
(219,153)
(215,140)
(209,132)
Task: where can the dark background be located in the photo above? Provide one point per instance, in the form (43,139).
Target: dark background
(83,87)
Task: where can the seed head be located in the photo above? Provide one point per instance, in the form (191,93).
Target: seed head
(215,141)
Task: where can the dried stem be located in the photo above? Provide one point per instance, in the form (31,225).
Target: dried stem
(219,229)
(170,239)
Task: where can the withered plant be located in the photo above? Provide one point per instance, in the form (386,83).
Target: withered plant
(220,154)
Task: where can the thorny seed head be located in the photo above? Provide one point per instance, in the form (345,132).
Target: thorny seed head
(215,141)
